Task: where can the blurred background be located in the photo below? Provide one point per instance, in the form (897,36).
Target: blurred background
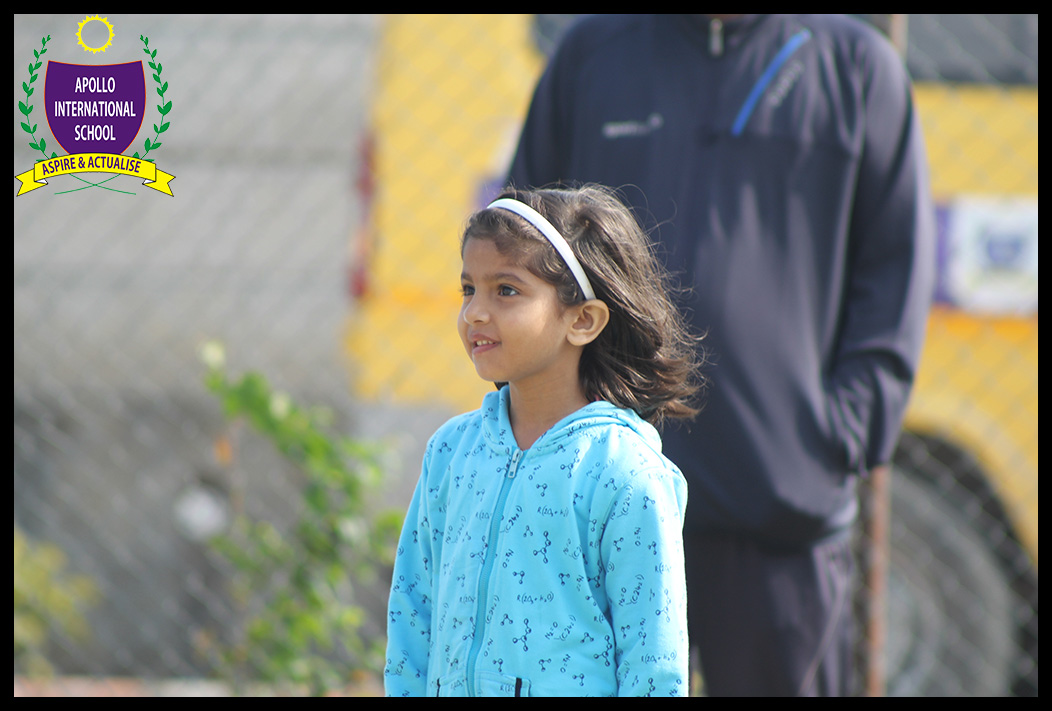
(324,167)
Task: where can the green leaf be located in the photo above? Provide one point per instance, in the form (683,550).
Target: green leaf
(27,129)
(32,78)
(167,107)
(164,127)
(305,613)
(156,145)
(42,144)
(24,109)
(164,88)
(34,146)
(147,145)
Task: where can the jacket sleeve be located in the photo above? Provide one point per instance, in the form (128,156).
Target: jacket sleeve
(642,549)
(891,277)
(409,605)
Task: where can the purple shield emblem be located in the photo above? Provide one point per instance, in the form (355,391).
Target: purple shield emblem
(95,108)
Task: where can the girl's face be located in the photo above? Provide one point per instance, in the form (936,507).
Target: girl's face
(511,322)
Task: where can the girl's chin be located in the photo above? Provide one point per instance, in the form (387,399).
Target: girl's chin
(489,376)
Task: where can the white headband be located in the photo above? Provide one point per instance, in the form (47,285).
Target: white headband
(548,230)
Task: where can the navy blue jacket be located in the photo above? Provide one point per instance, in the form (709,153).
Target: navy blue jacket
(779,161)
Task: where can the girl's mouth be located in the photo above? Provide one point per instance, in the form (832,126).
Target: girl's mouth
(482,345)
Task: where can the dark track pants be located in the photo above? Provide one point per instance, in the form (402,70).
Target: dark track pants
(767,623)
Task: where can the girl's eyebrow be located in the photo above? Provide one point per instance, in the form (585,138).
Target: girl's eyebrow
(499,276)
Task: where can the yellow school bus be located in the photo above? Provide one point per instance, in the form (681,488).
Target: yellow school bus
(450,95)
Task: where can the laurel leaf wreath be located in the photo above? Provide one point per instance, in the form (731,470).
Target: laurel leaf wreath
(26,108)
(162,107)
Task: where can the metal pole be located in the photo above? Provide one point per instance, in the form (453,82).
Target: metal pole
(876,517)
(876,503)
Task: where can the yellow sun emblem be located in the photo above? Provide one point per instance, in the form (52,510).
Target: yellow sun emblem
(80,29)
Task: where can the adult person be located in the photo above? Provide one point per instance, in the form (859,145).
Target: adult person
(779,161)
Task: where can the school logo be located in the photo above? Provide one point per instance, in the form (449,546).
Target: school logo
(94,112)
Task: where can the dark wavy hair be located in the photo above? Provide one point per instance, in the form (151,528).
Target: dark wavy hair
(644,359)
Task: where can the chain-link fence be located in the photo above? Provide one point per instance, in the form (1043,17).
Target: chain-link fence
(324,166)
(121,455)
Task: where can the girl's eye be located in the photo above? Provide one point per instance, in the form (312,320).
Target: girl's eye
(467,289)
(505,290)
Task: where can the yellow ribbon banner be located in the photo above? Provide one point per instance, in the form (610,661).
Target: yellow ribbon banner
(152,177)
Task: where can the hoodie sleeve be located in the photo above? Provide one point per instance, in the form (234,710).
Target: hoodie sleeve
(892,245)
(409,605)
(642,549)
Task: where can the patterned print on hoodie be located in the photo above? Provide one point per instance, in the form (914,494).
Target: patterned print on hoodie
(555,571)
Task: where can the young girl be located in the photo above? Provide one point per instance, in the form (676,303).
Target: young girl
(542,551)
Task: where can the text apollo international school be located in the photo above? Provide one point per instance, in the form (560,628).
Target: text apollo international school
(98,108)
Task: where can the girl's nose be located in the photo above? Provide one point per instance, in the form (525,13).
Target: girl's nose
(475,311)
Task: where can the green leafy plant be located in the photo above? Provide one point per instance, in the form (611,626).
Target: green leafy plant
(163,108)
(26,108)
(48,599)
(307,631)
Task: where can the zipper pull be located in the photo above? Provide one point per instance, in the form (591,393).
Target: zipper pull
(716,37)
(513,468)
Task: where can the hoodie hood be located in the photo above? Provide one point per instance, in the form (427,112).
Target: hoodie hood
(496,424)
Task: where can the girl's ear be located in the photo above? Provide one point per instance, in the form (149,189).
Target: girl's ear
(591,318)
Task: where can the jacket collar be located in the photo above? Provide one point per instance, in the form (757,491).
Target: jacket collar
(732,31)
(496,425)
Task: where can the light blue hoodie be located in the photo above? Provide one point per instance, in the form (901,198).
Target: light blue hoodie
(555,571)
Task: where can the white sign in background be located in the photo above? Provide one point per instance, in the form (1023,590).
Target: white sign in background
(991,255)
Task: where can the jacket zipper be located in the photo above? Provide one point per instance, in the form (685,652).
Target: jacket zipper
(716,37)
(487,568)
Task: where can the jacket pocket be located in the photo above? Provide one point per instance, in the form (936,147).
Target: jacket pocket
(490,684)
(494,684)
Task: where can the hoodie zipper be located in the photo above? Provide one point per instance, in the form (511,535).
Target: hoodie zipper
(487,568)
